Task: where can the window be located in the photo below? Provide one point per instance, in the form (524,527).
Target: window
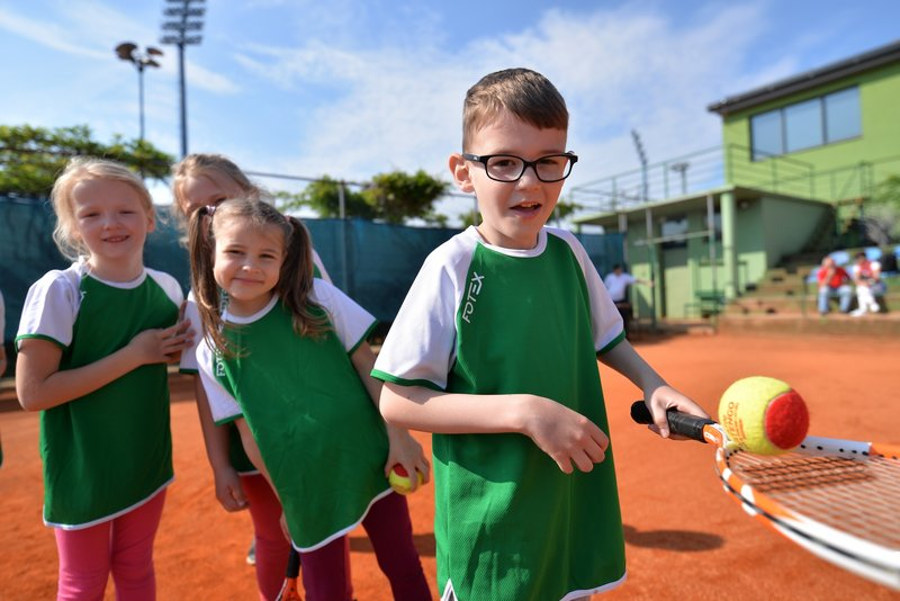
(673,230)
(803,125)
(842,115)
(765,130)
(815,122)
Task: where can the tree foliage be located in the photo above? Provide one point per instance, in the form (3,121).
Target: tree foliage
(32,157)
(397,196)
(324,197)
(393,197)
(564,209)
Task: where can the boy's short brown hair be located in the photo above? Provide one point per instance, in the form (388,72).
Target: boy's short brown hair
(525,93)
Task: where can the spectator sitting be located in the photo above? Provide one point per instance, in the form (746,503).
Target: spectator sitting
(869,285)
(834,282)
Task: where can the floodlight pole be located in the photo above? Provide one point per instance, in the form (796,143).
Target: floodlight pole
(128,51)
(182,93)
(651,246)
(185,16)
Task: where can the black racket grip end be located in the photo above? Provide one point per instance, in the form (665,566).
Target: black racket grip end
(680,423)
(293,565)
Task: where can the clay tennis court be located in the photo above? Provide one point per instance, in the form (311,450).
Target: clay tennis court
(685,538)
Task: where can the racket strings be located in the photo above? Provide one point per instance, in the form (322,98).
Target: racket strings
(803,472)
(856,495)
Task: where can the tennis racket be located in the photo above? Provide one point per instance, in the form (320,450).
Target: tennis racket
(839,499)
(289,590)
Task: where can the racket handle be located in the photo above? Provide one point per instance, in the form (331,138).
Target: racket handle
(293,565)
(680,423)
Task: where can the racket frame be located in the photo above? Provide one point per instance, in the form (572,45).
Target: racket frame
(862,557)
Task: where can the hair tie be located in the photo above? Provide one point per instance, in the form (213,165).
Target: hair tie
(210,210)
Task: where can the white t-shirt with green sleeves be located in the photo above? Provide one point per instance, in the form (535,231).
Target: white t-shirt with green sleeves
(479,319)
(111,450)
(237,456)
(320,436)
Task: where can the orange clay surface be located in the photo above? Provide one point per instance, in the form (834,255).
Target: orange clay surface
(686,539)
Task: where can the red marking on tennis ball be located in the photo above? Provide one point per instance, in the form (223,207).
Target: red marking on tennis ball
(399,479)
(763,415)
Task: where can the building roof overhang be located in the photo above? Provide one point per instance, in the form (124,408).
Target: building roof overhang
(877,57)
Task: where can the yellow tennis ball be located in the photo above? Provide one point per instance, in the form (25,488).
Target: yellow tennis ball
(399,480)
(763,415)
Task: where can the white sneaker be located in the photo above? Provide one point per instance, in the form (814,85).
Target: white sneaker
(858,312)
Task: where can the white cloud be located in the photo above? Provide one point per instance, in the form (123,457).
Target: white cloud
(349,89)
(93,29)
(45,33)
(618,69)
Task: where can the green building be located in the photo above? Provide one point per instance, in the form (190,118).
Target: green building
(799,158)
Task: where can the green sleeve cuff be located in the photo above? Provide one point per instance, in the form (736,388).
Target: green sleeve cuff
(612,344)
(363,338)
(386,377)
(229,419)
(39,337)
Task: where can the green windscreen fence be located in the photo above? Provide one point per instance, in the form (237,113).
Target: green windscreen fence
(374,263)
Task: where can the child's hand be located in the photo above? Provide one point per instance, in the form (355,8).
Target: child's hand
(664,398)
(406,450)
(162,345)
(565,435)
(229,491)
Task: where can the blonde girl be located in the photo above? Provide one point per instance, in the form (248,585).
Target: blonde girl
(93,344)
(286,360)
(206,179)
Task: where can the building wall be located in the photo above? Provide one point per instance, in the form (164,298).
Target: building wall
(676,290)
(788,226)
(769,228)
(879,143)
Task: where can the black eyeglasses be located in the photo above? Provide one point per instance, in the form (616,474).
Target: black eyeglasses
(510,168)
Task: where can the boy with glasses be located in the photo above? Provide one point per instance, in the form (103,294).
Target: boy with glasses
(495,351)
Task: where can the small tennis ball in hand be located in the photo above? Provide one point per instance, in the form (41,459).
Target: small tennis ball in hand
(399,479)
(763,415)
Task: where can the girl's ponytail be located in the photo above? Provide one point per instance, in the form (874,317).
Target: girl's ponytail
(295,282)
(201,244)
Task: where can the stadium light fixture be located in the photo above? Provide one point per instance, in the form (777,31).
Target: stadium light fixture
(182,26)
(141,59)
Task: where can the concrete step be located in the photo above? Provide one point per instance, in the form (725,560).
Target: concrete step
(789,287)
(779,304)
(882,325)
(801,270)
(770,304)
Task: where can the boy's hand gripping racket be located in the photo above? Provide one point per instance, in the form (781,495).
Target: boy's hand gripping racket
(839,499)
(290,590)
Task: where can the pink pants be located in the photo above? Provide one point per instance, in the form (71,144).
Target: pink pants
(272,548)
(122,546)
(326,570)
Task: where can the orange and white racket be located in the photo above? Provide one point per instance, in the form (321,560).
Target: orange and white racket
(290,590)
(839,499)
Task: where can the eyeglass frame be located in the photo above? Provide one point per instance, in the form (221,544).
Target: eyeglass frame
(484,158)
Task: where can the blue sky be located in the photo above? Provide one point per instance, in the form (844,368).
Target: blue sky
(351,88)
